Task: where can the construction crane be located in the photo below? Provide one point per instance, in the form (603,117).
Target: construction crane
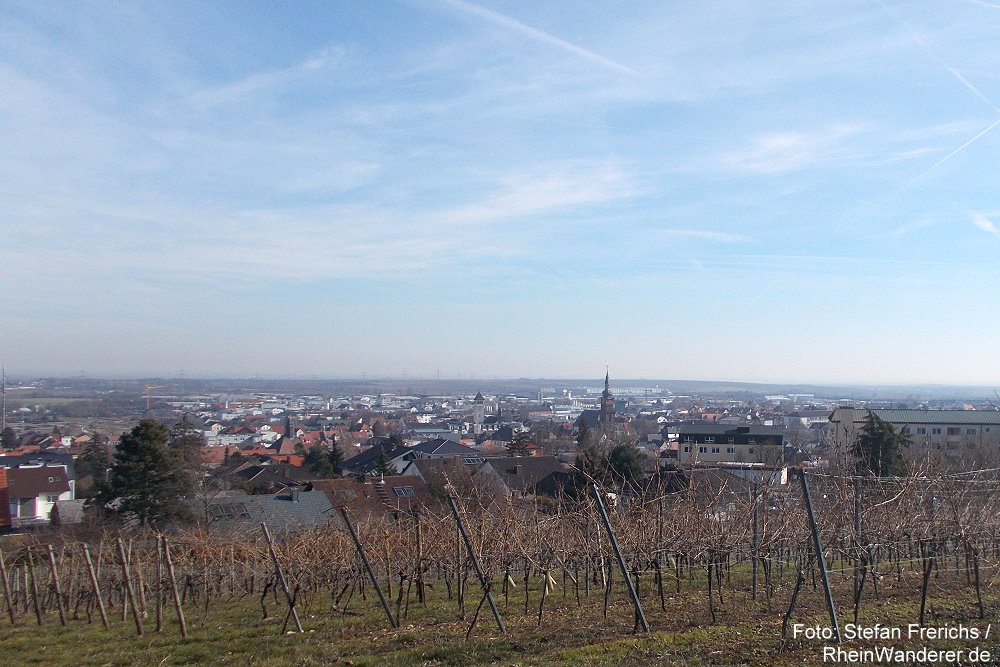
(149,395)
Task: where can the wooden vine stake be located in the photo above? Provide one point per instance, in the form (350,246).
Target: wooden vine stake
(281,577)
(133,601)
(57,585)
(173,586)
(6,591)
(368,567)
(97,588)
(159,585)
(34,587)
(820,559)
(640,617)
(484,582)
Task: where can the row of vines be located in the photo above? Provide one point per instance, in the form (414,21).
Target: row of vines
(722,543)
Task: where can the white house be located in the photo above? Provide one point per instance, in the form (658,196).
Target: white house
(34,491)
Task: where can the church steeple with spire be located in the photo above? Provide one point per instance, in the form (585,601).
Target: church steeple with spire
(607,415)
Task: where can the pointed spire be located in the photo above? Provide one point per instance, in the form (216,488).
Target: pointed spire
(607,379)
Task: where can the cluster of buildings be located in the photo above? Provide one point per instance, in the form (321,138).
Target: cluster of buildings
(396,450)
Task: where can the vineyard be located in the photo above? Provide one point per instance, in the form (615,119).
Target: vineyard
(712,575)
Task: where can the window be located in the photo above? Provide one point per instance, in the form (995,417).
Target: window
(730,450)
(970,431)
(715,450)
(702,450)
(472,460)
(403,491)
(732,440)
(709,439)
(227,511)
(687,449)
(751,450)
(51,498)
(921,430)
(954,430)
(935,431)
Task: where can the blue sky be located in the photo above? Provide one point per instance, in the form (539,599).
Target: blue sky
(791,191)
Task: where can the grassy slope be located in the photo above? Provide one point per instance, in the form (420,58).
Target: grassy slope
(233,632)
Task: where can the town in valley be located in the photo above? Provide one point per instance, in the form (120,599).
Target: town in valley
(294,452)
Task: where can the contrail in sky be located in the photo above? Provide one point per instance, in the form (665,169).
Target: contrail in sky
(947,157)
(757,298)
(933,55)
(958,75)
(535,33)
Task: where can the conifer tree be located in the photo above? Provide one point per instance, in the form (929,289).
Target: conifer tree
(518,445)
(624,464)
(92,464)
(147,481)
(186,444)
(335,457)
(878,449)
(383,465)
(322,462)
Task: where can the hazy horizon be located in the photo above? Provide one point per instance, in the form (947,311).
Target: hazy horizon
(826,391)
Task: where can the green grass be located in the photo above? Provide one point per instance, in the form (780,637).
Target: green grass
(232,632)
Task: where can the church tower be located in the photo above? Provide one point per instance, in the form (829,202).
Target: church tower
(607,415)
(478,413)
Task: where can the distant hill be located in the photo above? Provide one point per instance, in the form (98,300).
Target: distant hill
(529,387)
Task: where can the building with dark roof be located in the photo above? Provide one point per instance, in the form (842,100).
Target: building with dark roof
(369,496)
(288,510)
(33,492)
(528,476)
(42,457)
(267,476)
(440,448)
(367,461)
(727,443)
(4,501)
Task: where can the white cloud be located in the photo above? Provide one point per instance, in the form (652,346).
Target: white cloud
(707,235)
(779,152)
(544,188)
(984,223)
(268,81)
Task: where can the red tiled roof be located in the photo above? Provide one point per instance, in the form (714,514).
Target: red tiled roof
(32,482)
(4,500)
(291,459)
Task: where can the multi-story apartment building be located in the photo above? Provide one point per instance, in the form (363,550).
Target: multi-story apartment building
(961,438)
(729,443)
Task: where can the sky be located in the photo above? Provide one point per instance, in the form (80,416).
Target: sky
(731,190)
